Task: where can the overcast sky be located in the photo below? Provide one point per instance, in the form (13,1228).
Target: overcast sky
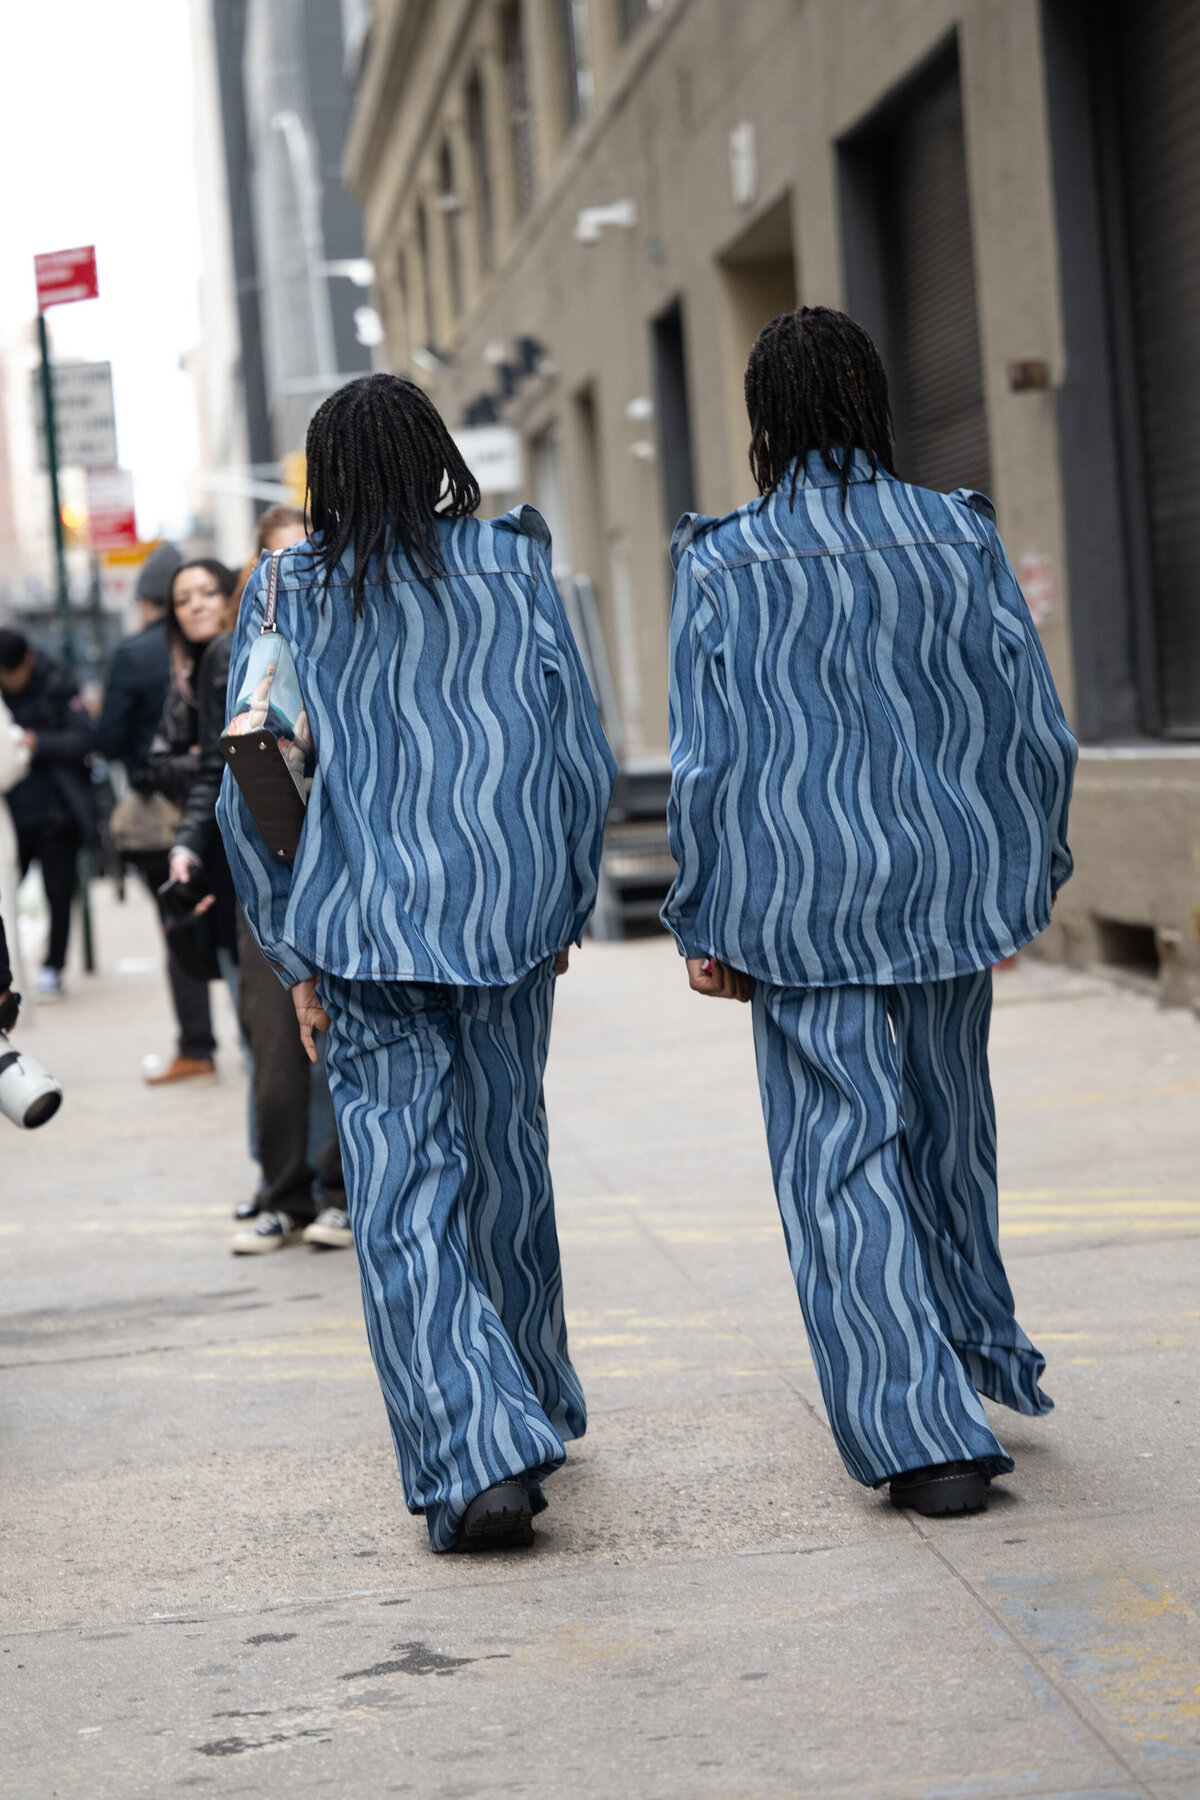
(96,147)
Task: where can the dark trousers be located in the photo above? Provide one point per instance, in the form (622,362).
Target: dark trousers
(283,1083)
(55,845)
(188,995)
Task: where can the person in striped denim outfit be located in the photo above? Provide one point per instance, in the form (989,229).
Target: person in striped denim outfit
(871,775)
(448,860)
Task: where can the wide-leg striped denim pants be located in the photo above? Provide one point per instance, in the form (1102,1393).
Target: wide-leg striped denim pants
(438,1095)
(881,1129)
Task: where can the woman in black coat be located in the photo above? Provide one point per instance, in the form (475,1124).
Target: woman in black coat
(303,1192)
(200,610)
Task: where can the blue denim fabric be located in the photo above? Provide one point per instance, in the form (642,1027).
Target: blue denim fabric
(438,1095)
(871,766)
(462,778)
(881,1130)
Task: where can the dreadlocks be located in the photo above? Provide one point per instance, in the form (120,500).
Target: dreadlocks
(381,467)
(815,382)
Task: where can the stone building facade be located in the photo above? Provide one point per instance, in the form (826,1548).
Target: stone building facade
(580,212)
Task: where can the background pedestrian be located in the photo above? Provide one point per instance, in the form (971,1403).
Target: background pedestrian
(14,766)
(53,806)
(200,609)
(142,825)
(302,1193)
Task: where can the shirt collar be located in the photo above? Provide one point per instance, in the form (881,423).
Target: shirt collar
(813,472)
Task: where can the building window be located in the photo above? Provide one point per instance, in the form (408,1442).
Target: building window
(910,270)
(676,469)
(403,336)
(577,68)
(520,117)
(450,206)
(481,173)
(426,274)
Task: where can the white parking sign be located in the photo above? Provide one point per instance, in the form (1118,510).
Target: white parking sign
(84,416)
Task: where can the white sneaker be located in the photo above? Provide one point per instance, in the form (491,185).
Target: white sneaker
(331,1227)
(266,1232)
(50,983)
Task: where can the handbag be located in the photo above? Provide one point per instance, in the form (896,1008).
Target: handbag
(140,824)
(267,744)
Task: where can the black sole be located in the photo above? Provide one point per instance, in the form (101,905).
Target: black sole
(504,1522)
(942,1495)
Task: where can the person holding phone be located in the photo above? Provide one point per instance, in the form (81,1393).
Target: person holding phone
(302,1195)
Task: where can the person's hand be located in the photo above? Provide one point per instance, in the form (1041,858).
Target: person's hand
(10,1006)
(182,865)
(29,739)
(716,979)
(310,1014)
(562,960)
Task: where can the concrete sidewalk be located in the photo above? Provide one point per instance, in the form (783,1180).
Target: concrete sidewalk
(210,1580)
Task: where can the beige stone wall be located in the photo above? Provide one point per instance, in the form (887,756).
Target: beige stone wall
(803,72)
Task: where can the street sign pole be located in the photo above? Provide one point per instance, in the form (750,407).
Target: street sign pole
(63,592)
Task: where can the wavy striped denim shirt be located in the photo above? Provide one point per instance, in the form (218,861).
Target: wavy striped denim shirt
(462,777)
(871,768)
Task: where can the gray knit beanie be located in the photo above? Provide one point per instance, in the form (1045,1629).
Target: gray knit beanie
(154,582)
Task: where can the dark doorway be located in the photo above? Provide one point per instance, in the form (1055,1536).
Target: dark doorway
(758,281)
(910,274)
(674,419)
(1155,63)
(1123,86)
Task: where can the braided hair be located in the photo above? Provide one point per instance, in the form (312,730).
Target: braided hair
(815,382)
(381,467)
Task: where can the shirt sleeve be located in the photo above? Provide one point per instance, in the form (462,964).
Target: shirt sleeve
(699,726)
(586,768)
(1049,739)
(263,883)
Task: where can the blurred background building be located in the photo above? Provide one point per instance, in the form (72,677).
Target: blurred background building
(285,287)
(581,211)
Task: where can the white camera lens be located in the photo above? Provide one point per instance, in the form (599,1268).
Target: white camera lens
(29,1096)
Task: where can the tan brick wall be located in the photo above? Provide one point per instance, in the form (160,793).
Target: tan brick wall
(803,72)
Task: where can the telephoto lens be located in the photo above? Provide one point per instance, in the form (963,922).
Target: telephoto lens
(29,1096)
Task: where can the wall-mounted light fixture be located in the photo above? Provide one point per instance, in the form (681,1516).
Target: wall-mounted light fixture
(1028,377)
(368,327)
(590,222)
(358,269)
(743,163)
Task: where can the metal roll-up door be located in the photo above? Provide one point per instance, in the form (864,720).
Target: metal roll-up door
(1157,79)
(929,276)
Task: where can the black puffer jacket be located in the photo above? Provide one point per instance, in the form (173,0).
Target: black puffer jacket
(58,785)
(181,766)
(197,830)
(172,760)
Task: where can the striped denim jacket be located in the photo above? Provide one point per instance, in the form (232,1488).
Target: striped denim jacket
(462,778)
(871,768)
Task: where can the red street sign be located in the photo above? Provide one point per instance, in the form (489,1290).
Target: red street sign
(64,275)
(111,522)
